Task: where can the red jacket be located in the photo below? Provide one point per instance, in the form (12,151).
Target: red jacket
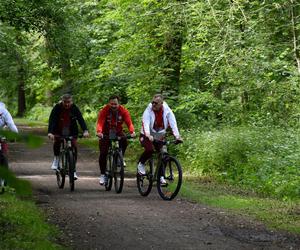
(108,120)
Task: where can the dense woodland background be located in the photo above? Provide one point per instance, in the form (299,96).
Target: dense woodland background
(230,70)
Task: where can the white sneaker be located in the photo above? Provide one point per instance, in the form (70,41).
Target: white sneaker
(102,179)
(75,176)
(141,169)
(162,180)
(55,162)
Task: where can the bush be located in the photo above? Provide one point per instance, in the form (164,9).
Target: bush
(264,159)
(39,113)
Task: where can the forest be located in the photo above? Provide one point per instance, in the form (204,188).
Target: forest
(229,69)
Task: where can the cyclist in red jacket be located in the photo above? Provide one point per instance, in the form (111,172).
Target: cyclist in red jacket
(110,121)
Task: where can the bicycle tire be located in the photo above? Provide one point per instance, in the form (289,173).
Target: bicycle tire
(3,163)
(61,172)
(118,172)
(172,172)
(71,167)
(145,182)
(109,172)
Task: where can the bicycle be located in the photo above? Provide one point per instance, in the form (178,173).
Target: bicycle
(3,163)
(168,167)
(115,164)
(67,161)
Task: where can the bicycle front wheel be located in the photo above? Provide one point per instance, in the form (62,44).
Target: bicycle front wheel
(71,167)
(61,172)
(109,172)
(169,178)
(118,172)
(145,182)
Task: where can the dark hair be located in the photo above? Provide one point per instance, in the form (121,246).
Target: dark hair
(114,97)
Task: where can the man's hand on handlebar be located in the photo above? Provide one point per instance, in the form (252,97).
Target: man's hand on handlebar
(100,135)
(86,134)
(150,137)
(133,135)
(51,136)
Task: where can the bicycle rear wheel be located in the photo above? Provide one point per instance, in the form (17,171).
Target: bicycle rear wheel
(3,163)
(145,182)
(109,172)
(61,172)
(118,172)
(71,167)
(171,170)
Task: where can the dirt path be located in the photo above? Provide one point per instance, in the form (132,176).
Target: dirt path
(92,218)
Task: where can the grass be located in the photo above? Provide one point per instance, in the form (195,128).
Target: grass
(22,225)
(30,123)
(276,214)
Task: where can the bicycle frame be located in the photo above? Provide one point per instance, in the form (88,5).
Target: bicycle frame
(115,165)
(66,159)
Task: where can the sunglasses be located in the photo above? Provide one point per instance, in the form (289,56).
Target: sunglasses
(155,103)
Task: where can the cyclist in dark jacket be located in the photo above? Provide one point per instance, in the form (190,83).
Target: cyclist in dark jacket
(63,122)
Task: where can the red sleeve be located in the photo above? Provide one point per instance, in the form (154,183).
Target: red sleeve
(101,119)
(127,119)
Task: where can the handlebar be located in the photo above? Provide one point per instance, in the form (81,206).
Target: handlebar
(2,139)
(68,137)
(118,138)
(166,142)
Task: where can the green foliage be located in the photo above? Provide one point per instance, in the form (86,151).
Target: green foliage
(39,113)
(264,159)
(22,226)
(21,187)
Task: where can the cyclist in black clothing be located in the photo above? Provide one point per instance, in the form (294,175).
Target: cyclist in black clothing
(63,122)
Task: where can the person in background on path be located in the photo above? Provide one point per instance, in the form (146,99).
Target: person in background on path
(63,122)
(6,120)
(157,118)
(110,122)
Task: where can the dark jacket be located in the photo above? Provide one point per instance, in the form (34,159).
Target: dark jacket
(53,126)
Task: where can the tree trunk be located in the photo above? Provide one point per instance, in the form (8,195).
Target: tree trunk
(294,15)
(66,75)
(21,92)
(173,50)
(21,81)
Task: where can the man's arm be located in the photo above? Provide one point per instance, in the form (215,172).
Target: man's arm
(128,121)
(146,122)
(80,119)
(101,120)
(173,124)
(10,122)
(51,122)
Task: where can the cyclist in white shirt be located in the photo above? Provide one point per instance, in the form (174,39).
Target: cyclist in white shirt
(6,119)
